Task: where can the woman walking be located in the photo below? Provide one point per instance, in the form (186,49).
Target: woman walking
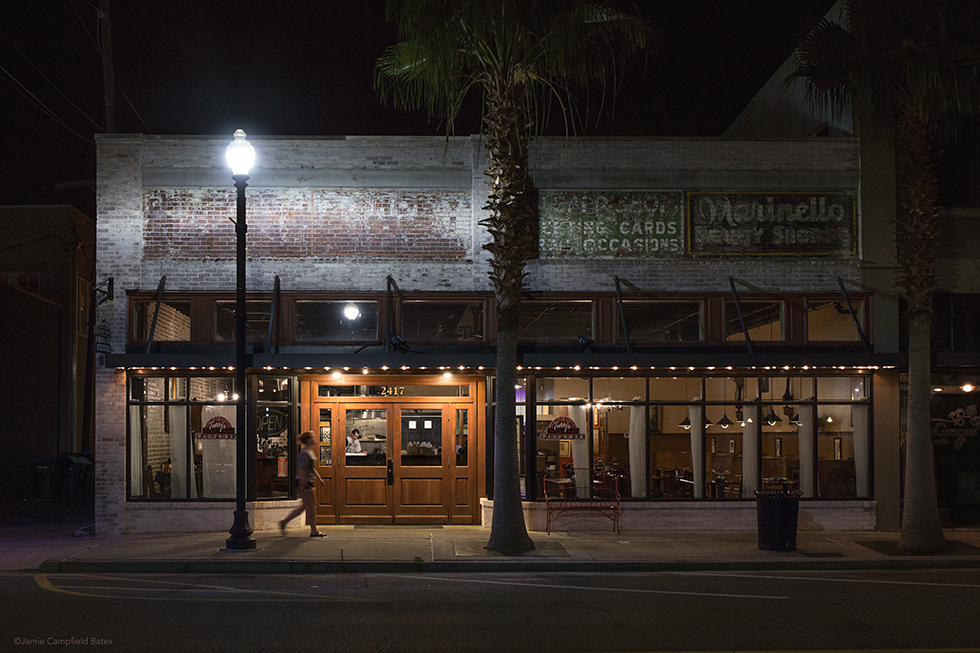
(305,473)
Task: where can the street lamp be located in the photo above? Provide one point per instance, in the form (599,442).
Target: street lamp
(240,155)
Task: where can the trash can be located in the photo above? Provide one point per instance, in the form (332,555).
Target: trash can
(779,515)
(74,468)
(46,478)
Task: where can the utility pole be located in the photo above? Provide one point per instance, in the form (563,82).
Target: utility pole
(108,76)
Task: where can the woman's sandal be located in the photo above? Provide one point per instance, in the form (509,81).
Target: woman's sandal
(318,534)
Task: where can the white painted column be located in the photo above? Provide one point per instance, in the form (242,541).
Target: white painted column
(806,431)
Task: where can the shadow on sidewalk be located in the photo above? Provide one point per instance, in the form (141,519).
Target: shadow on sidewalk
(44,519)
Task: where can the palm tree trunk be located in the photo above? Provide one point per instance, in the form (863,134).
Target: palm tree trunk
(921,529)
(508,533)
(917,226)
(509,223)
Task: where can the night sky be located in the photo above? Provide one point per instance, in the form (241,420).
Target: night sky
(304,68)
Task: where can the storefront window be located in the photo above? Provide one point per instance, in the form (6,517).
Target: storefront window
(830,321)
(462,439)
(368,447)
(183,437)
(565,321)
(256,324)
(336,321)
(842,451)
(663,321)
(173,321)
(763,320)
(421,437)
(432,321)
(273,419)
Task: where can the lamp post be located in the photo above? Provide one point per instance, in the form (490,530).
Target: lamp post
(240,154)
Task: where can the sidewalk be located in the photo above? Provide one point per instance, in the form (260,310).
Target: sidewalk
(459,549)
(47,544)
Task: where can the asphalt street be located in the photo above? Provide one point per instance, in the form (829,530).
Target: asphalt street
(923,610)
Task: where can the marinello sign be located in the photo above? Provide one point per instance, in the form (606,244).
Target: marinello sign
(810,224)
(610,224)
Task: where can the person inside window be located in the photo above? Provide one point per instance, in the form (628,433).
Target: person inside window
(354,442)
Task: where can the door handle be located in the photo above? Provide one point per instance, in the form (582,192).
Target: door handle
(391,472)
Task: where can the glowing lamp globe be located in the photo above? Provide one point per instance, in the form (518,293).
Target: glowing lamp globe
(240,154)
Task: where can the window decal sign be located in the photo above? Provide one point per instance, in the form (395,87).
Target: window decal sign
(562,428)
(217,428)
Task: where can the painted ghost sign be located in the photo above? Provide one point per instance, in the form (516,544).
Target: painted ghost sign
(610,224)
(767,224)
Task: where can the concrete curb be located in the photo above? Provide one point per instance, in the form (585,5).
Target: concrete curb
(486,566)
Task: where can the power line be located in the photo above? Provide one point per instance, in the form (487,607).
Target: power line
(33,99)
(53,85)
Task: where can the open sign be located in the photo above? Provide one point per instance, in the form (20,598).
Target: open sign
(271,422)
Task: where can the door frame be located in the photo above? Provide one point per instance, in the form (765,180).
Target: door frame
(461,486)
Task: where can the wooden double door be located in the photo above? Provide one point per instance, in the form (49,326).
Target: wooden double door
(413,463)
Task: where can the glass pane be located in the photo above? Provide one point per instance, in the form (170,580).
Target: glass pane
(177,388)
(337,321)
(675,388)
(780,456)
(670,451)
(256,324)
(563,389)
(462,437)
(148,388)
(830,321)
(213,388)
(762,319)
(842,388)
(326,441)
(442,321)
(214,446)
(367,438)
(421,437)
(842,451)
(621,389)
(173,321)
(562,444)
(271,460)
(663,321)
(273,389)
(723,456)
(554,321)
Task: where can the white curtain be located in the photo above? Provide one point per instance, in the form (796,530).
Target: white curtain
(807,484)
(135,451)
(750,451)
(697,451)
(178,452)
(859,417)
(638,458)
(750,440)
(218,460)
(580,451)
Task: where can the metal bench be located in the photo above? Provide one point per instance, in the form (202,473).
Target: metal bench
(582,491)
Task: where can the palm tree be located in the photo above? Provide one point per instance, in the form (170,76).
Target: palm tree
(524,56)
(917,63)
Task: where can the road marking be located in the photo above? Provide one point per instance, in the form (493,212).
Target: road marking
(260,595)
(833,580)
(594,589)
(838,650)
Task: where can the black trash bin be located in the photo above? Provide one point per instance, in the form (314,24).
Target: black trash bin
(779,515)
(46,478)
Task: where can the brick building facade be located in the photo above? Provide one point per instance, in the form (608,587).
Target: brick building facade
(662,262)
